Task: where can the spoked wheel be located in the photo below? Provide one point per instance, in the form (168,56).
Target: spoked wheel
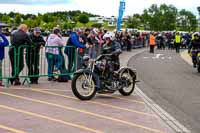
(129,83)
(83,86)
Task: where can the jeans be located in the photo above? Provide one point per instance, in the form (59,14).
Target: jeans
(92,52)
(79,61)
(51,62)
(17,62)
(60,65)
(194,57)
(177,45)
(70,52)
(151,48)
(32,61)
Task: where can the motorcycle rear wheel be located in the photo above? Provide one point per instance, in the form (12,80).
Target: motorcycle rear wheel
(127,91)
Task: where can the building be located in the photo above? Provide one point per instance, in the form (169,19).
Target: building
(99,20)
(112,21)
(3,25)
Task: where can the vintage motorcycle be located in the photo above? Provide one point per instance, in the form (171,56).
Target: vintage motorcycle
(196,54)
(198,62)
(96,78)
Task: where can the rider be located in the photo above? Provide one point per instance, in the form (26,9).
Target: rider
(195,46)
(112,47)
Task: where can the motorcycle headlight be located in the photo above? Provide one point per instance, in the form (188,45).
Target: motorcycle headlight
(101,65)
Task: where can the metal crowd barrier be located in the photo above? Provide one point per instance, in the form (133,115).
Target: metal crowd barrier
(6,65)
(24,57)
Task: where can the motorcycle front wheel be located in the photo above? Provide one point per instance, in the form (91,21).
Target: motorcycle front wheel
(83,86)
(128,89)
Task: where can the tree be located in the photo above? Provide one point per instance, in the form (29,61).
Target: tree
(83,18)
(45,18)
(134,21)
(28,22)
(67,25)
(96,25)
(18,19)
(159,18)
(12,14)
(6,18)
(168,17)
(186,21)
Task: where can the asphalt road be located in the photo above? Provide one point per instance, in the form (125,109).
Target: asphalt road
(48,110)
(51,107)
(172,83)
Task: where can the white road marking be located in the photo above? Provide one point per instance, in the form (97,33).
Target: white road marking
(157,56)
(169,58)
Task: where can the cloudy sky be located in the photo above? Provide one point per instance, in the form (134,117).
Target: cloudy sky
(100,7)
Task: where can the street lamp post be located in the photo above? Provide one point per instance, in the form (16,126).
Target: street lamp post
(198,8)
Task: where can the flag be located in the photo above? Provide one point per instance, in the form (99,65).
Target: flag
(121,12)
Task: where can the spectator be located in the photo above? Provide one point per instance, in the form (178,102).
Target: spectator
(3,42)
(160,41)
(73,43)
(127,39)
(100,40)
(54,54)
(152,42)
(82,52)
(18,38)
(93,43)
(32,56)
(177,42)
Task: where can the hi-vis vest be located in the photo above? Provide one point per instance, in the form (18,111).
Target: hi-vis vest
(178,39)
(192,36)
(152,40)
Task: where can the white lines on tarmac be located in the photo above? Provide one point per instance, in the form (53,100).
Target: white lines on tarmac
(99,103)
(10,129)
(48,118)
(158,57)
(76,110)
(54,90)
(162,58)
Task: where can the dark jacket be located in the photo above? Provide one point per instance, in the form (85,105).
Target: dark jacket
(37,42)
(18,37)
(195,45)
(115,49)
(33,50)
(3,43)
(85,39)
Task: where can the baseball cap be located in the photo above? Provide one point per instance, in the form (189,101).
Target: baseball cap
(37,29)
(78,30)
